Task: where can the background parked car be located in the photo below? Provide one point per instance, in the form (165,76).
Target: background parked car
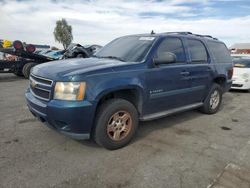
(241,76)
(55,54)
(77,50)
(237,56)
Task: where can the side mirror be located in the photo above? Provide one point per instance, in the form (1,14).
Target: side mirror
(165,58)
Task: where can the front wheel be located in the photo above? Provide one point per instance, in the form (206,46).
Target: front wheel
(116,124)
(213,101)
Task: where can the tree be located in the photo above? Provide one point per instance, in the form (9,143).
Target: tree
(63,33)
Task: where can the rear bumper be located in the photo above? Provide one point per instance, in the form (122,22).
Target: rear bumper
(71,118)
(228,85)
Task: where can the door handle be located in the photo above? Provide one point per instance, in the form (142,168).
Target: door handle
(209,69)
(185,73)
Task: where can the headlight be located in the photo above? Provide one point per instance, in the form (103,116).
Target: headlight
(73,91)
(245,76)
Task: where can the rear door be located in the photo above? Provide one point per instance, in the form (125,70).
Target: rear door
(200,69)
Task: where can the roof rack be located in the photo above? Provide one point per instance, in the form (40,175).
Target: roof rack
(181,33)
(190,33)
(206,36)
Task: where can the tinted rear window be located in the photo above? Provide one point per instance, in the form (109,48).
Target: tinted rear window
(197,51)
(220,52)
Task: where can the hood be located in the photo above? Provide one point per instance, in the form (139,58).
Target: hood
(66,69)
(240,71)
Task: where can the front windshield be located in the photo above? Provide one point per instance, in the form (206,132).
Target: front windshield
(129,48)
(242,63)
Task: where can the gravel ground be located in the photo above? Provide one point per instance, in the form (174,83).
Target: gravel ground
(189,149)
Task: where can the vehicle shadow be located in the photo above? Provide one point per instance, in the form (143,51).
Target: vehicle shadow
(238,91)
(9,77)
(89,143)
(145,128)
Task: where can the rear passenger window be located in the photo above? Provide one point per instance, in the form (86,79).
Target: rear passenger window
(220,52)
(197,51)
(173,45)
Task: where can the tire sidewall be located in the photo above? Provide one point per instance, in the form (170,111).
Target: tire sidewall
(26,69)
(103,117)
(29,68)
(207,101)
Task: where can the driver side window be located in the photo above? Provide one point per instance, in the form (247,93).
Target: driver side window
(173,45)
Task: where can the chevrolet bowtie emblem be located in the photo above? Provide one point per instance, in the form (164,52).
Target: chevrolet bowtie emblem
(33,83)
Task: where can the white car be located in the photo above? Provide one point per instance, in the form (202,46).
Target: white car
(241,75)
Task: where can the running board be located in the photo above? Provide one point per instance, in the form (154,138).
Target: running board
(169,112)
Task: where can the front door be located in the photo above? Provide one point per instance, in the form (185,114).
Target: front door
(168,85)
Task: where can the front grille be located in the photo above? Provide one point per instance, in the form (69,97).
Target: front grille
(41,93)
(237,85)
(41,87)
(40,80)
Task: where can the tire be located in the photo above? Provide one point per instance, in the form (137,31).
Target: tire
(213,101)
(18,73)
(26,69)
(80,56)
(116,124)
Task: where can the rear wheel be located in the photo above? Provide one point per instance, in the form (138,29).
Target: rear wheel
(213,101)
(116,124)
(26,69)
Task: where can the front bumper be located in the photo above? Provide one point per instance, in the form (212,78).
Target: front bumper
(242,84)
(71,118)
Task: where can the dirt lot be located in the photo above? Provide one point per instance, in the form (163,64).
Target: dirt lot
(185,150)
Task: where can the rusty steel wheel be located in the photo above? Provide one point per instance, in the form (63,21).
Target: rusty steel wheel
(116,123)
(119,125)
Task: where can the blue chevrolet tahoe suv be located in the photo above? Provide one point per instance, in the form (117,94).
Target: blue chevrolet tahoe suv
(133,78)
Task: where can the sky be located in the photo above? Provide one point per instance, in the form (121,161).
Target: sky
(100,21)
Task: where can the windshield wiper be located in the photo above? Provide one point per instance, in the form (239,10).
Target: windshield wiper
(112,57)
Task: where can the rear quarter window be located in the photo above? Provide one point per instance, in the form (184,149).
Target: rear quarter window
(220,52)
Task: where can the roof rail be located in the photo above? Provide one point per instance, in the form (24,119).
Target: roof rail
(206,36)
(190,33)
(181,33)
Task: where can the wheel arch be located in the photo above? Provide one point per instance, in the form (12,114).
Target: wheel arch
(132,93)
(221,80)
